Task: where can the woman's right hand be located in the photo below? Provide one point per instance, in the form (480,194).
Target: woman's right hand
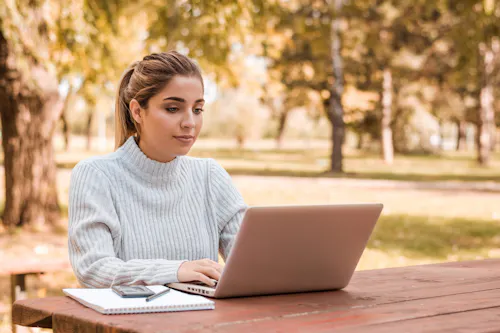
(203,270)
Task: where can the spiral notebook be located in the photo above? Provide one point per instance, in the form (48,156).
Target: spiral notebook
(106,301)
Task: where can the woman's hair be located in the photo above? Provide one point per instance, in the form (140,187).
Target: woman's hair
(144,79)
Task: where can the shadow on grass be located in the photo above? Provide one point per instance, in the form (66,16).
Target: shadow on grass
(434,237)
(243,153)
(364,175)
(237,152)
(416,177)
(304,156)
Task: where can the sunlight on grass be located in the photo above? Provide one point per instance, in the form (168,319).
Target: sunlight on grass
(314,161)
(422,237)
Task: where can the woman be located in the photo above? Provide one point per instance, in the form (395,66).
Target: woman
(147,214)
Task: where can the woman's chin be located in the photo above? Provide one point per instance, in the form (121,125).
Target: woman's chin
(182,151)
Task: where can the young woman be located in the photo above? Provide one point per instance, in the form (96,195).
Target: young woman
(146,213)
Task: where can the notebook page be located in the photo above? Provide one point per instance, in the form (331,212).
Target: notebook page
(109,301)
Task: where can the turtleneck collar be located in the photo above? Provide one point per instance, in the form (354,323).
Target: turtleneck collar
(147,167)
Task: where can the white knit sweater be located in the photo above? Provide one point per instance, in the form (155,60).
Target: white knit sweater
(133,220)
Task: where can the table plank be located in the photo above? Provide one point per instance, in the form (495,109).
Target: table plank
(368,292)
(38,312)
(323,319)
(34,265)
(350,320)
(482,320)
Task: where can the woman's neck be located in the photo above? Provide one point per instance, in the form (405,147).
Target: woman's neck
(151,153)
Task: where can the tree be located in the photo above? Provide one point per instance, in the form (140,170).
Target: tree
(479,58)
(64,119)
(41,43)
(307,54)
(30,108)
(237,111)
(336,110)
(387,41)
(274,98)
(205,30)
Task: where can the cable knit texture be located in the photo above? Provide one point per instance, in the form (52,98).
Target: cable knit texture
(133,220)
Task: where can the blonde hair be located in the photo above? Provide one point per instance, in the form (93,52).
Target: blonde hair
(141,81)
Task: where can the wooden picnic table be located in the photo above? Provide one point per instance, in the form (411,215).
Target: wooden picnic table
(449,297)
(19,269)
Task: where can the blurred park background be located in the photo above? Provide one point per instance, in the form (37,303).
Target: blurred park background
(309,102)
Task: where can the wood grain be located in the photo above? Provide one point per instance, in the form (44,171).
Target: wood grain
(388,300)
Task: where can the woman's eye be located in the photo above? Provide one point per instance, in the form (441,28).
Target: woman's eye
(198,111)
(172,109)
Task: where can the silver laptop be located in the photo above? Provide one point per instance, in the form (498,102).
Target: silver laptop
(289,249)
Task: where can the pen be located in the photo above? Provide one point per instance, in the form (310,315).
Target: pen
(152,297)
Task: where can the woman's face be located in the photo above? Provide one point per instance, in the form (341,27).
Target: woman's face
(173,119)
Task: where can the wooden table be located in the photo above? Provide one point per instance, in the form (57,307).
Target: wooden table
(19,269)
(450,297)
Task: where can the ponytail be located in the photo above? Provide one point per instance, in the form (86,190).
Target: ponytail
(125,125)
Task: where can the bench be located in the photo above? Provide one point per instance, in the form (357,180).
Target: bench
(19,269)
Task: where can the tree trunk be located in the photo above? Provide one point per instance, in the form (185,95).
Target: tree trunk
(281,128)
(494,138)
(240,141)
(486,117)
(88,129)
(361,141)
(65,130)
(441,134)
(461,134)
(64,120)
(387,147)
(30,109)
(101,131)
(335,110)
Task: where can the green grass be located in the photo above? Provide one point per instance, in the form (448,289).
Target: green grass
(314,162)
(424,237)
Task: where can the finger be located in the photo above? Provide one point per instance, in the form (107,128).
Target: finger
(218,267)
(207,262)
(210,272)
(213,264)
(203,278)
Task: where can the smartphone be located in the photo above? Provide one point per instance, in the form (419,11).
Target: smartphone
(132,291)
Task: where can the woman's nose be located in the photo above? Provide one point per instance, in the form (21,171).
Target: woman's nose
(188,120)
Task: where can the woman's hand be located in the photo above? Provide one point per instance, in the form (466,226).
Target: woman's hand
(203,270)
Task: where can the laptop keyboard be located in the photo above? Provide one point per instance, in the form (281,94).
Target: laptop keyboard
(199,283)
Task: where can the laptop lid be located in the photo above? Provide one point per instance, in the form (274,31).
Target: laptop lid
(286,249)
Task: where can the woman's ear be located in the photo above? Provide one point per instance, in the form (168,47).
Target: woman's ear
(135,110)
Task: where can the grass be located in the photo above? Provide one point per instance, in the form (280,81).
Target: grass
(264,160)
(313,162)
(311,159)
(423,237)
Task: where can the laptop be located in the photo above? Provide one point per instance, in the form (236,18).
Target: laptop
(291,249)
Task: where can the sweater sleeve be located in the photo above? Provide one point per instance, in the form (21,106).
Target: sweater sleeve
(94,228)
(229,207)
